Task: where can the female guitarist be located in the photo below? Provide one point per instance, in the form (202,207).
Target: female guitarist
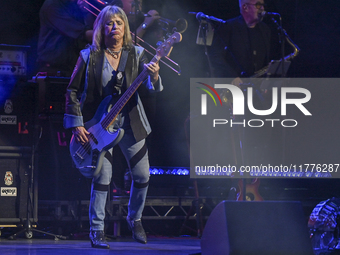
(103,73)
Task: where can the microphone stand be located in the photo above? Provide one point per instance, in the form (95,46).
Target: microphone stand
(233,190)
(282,48)
(196,202)
(204,37)
(283,74)
(282,40)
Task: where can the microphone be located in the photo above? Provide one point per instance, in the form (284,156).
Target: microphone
(264,13)
(201,16)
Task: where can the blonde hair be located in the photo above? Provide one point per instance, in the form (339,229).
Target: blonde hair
(98,27)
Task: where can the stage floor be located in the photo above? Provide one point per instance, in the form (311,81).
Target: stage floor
(121,246)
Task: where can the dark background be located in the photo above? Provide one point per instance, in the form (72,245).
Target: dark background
(313,25)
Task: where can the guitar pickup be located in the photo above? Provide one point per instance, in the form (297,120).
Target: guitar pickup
(78,157)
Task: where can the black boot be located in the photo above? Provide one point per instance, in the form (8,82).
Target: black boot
(137,229)
(98,239)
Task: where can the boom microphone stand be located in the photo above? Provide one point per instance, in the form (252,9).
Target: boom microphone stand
(205,38)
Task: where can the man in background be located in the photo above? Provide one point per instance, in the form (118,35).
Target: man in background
(65,29)
(241,46)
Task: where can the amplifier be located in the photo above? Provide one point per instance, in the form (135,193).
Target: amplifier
(52,91)
(14,168)
(13,59)
(17,113)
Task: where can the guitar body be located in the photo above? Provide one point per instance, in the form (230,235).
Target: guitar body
(252,193)
(88,158)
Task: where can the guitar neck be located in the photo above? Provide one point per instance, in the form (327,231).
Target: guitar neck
(112,115)
(162,50)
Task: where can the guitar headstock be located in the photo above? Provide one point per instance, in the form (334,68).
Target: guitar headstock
(165,48)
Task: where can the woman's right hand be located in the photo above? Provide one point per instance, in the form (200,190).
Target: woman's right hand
(80,134)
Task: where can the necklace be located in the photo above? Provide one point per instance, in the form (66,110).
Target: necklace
(114,54)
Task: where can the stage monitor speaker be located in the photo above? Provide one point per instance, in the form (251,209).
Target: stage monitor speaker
(253,228)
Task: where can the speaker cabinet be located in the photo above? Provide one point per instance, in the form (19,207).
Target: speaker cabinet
(17,124)
(14,187)
(253,228)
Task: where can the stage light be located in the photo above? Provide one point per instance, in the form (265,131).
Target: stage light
(169,171)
